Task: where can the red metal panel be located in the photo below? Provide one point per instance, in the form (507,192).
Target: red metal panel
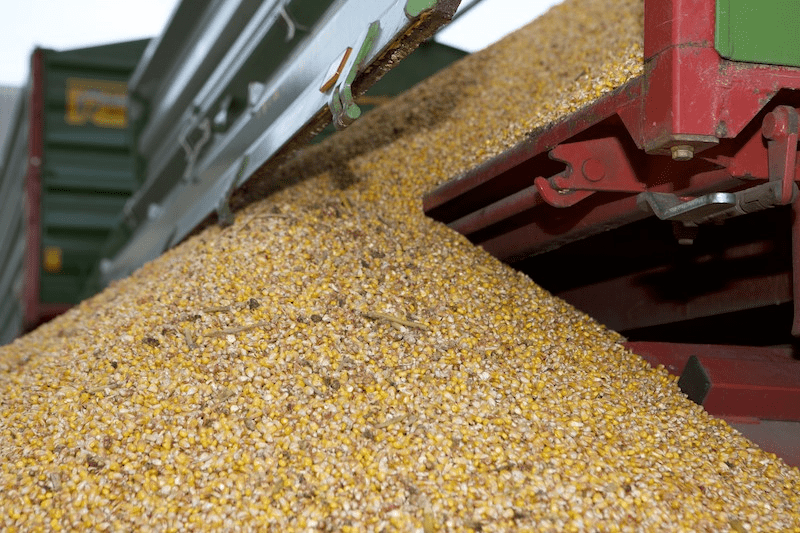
(480,185)
(33,189)
(671,23)
(745,381)
(796,266)
(638,300)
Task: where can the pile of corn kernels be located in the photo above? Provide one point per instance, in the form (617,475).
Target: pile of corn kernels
(334,361)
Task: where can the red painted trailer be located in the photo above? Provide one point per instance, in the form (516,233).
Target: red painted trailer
(668,209)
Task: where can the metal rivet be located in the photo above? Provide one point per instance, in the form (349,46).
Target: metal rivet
(593,170)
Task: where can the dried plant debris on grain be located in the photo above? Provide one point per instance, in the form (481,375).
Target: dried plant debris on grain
(391,376)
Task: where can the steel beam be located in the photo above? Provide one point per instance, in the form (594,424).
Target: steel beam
(744,278)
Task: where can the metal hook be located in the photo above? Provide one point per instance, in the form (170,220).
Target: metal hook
(292,27)
(192,153)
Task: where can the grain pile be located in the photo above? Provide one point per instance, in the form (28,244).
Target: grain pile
(335,361)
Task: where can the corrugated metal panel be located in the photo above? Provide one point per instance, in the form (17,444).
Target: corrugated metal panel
(13,163)
(8,103)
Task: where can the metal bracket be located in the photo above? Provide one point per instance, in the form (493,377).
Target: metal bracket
(556,196)
(225,217)
(781,127)
(291,25)
(222,118)
(592,165)
(343,106)
(714,207)
(668,206)
(193,151)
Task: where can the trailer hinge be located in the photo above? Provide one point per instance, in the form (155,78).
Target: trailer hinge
(342,105)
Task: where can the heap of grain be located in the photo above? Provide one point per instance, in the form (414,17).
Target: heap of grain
(335,361)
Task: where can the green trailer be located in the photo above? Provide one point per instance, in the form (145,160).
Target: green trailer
(66,174)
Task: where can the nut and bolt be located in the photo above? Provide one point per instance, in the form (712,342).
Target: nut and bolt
(682,152)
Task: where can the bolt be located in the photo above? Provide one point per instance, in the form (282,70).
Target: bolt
(779,123)
(593,169)
(682,152)
(685,232)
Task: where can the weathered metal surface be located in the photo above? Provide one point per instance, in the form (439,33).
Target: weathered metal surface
(667,294)
(745,381)
(33,191)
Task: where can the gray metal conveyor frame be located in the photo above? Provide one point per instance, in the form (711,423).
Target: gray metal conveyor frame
(201,139)
(13,167)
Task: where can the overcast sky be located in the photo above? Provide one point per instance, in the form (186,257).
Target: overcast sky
(66,24)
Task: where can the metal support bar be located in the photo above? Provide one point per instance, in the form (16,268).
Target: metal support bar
(780,127)
(498,211)
(33,193)
(668,206)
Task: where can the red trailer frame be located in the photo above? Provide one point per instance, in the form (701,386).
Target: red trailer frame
(697,138)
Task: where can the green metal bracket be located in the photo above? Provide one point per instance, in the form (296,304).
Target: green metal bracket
(343,106)
(759,32)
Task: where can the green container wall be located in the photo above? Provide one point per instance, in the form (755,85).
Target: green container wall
(88,169)
(87,173)
(759,31)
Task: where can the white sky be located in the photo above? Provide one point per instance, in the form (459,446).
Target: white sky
(66,24)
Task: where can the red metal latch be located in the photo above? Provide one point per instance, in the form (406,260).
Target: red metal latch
(780,127)
(592,165)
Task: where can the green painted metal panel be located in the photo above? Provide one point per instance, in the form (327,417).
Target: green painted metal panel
(415,7)
(108,171)
(88,168)
(759,31)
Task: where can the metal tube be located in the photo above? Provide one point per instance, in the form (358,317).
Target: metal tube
(497,212)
